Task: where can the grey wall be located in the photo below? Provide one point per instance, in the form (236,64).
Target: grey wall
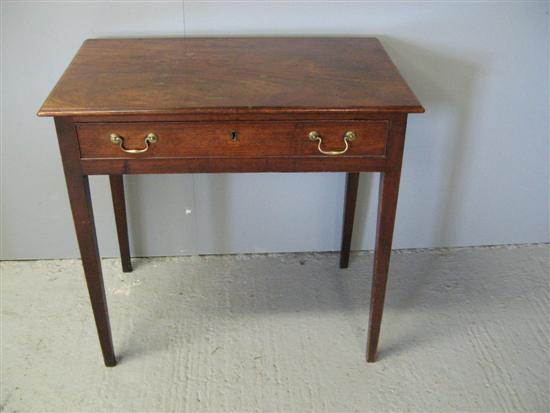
(476,163)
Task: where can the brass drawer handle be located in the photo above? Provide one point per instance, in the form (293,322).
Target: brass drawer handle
(119,140)
(349,136)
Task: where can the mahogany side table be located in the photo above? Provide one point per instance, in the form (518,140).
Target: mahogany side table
(177,105)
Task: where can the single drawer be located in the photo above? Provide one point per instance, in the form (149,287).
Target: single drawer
(232,139)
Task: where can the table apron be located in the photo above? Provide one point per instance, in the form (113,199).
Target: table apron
(220,165)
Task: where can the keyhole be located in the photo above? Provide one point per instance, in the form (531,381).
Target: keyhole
(233,135)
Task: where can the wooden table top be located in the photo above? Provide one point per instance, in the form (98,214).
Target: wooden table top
(229,75)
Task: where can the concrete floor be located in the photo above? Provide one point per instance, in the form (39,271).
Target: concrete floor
(464,330)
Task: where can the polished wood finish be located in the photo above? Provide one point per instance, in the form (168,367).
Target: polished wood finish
(215,165)
(230,105)
(119,206)
(231,139)
(81,207)
(352,184)
(250,75)
(387,207)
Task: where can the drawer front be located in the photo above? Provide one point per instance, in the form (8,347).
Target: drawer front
(233,139)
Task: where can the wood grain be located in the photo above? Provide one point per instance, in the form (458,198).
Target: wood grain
(81,207)
(387,208)
(198,75)
(231,139)
(220,165)
(230,105)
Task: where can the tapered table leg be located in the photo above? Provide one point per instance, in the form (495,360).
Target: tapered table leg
(119,206)
(81,206)
(352,183)
(387,205)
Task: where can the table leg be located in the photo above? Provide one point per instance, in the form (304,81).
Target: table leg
(387,205)
(81,206)
(119,206)
(352,183)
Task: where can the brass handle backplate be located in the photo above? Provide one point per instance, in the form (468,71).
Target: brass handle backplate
(349,136)
(119,140)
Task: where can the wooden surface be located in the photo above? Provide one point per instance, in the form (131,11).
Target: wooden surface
(263,75)
(230,105)
(78,188)
(352,185)
(232,140)
(119,207)
(387,208)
